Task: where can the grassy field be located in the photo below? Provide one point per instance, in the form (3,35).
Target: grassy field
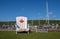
(32,35)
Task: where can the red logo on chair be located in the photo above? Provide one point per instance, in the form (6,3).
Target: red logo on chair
(21,21)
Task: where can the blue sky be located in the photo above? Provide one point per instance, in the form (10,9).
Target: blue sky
(33,9)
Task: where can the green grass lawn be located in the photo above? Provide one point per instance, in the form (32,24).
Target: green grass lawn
(32,35)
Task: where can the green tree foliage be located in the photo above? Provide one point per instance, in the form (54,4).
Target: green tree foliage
(35,22)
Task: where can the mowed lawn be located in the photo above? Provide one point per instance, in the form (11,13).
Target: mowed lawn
(32,35)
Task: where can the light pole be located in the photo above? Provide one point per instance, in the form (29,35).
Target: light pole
(32,21)
(47,16)
(39,18)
